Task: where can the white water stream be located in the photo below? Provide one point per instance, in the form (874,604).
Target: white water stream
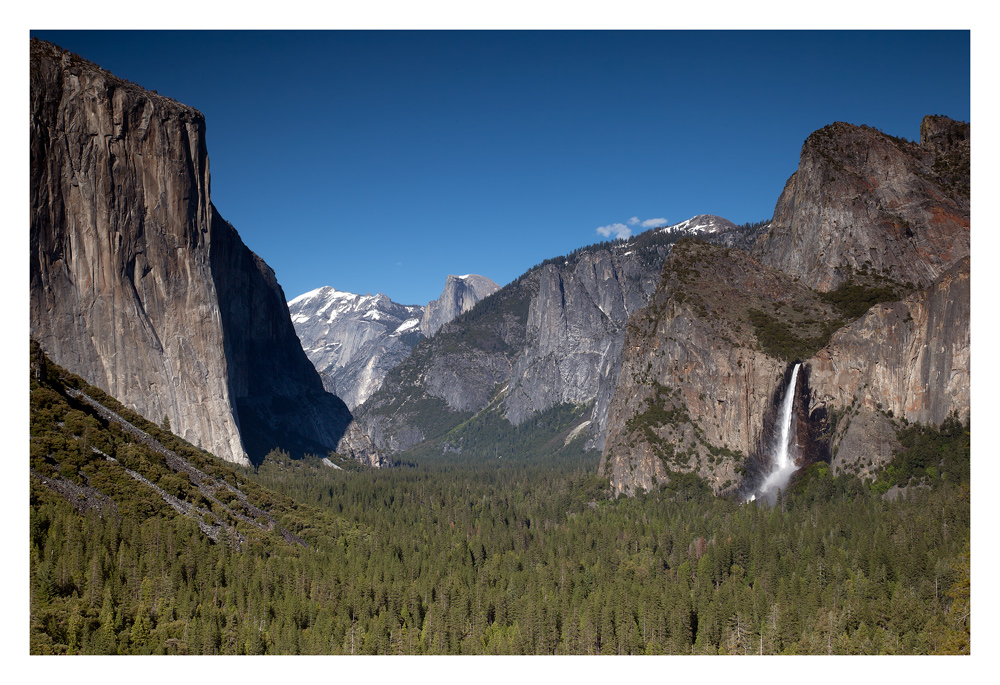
(782,453)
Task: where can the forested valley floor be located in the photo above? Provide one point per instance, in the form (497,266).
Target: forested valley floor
(496,556)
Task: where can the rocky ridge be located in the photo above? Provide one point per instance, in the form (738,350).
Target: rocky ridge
(139,286)
(700,226)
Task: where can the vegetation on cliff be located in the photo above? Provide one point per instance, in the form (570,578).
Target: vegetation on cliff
(930,456)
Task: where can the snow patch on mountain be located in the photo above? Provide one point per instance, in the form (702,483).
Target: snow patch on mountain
(353,340)
(703,224)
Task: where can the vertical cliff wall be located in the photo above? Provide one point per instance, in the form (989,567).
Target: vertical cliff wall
(575,330)
(278,395)
(122,291)
(905,360)
(141,288)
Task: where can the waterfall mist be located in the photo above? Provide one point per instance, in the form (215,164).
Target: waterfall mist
(783,452)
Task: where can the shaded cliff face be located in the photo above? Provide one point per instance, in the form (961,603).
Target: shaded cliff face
(280,400)
(354,340)
(864,200)
(139,286)
(697,393)
(460,294)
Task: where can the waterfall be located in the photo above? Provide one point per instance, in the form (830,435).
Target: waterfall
(783,458)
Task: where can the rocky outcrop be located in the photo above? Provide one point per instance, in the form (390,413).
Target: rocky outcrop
(460,294)
(575,331)
(354,340)
(864,200)
(140,287)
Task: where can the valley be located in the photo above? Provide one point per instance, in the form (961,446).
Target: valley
(701,438)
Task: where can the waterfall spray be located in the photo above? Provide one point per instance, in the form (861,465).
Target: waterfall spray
(783,459)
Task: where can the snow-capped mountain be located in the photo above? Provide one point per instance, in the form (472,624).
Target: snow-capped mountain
(353,340)
(703,224)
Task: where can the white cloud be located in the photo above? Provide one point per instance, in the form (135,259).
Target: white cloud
(620,230)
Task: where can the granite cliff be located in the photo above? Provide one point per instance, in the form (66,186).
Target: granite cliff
(905,360)
(697,386)
(139,286)
(460,294)
(863,275)
(862,199)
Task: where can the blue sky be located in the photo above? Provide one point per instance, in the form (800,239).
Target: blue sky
(377,161)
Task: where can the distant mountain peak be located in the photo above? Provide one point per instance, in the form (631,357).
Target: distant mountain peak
(353,340)
(460,294)
(700,225)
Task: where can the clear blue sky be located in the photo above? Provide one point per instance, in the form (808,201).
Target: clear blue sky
(383,161)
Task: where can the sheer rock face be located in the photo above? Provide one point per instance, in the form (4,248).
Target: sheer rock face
(121,280)
(575,331)
(460,294)
(910,359)
(863,199)
(140,287)
(354,340)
